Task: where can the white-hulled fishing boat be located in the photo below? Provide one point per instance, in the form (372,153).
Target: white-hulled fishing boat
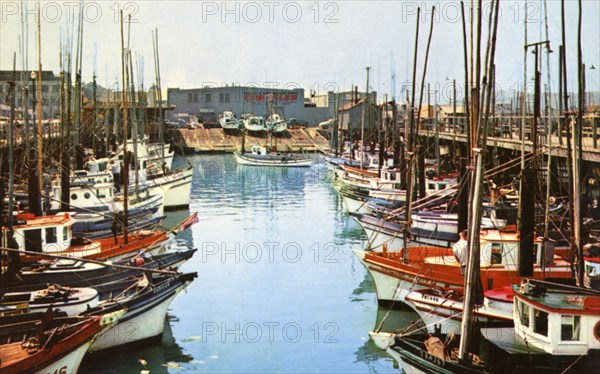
(254,123)
(228,121)
(276,124)
(260,156)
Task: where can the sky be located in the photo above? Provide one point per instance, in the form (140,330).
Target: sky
(317,45)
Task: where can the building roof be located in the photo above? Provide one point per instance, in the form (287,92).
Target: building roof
(352,104)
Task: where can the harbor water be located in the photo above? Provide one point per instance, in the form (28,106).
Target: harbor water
(278,288)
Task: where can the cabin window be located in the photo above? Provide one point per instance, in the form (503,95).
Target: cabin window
(569,328)
(65,232)
(496,255)
(86,195)
(523,313)
(540,323)
(442,186)
(33,240)
(50,235)
(99,194)
(74,196)
(431,186)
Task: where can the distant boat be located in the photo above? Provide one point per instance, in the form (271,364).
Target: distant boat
(255,123)
(260,156)
(228,121)
(276,124)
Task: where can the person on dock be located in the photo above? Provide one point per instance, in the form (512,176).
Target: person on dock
(460,249)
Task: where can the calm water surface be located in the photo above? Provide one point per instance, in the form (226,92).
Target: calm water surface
(278,288)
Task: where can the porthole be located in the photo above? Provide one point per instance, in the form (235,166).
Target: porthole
(86,195)
(74,197)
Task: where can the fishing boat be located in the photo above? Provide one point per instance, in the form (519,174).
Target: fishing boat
(45,344)
(146,305)
(426,266)
(254,123)
(96,274)
(427,228)
(53,235)
(556,328)
(261,156)
(71,300)
(228,121)
(276,124)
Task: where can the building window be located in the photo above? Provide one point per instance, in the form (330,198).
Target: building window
(569,328)
(50,235)
(221,98)
(195,97)
(207,98)
(227,98)
(190,98)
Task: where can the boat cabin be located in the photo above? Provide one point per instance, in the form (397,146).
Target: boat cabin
(48,234)
(500,248)
(259,150)
(557,322)
(93,192)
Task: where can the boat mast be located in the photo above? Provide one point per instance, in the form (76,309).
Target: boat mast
(158,91)
(125,171)
(473,288)
(463,195)
(548,132)
(577,149)
(362,125)
(409,150)
(11,171)
(39,119)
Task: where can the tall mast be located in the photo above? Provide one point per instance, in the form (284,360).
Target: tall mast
(577,239)
(159,97)
(362,127)
(39,112)
(524,99)
(11,171)
(410,150)
(548,128)
(125,171)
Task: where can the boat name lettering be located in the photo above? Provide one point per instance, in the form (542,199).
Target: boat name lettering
(162,287)
(429,357)
(429,297)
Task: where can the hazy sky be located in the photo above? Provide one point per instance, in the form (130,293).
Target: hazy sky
(320,45)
